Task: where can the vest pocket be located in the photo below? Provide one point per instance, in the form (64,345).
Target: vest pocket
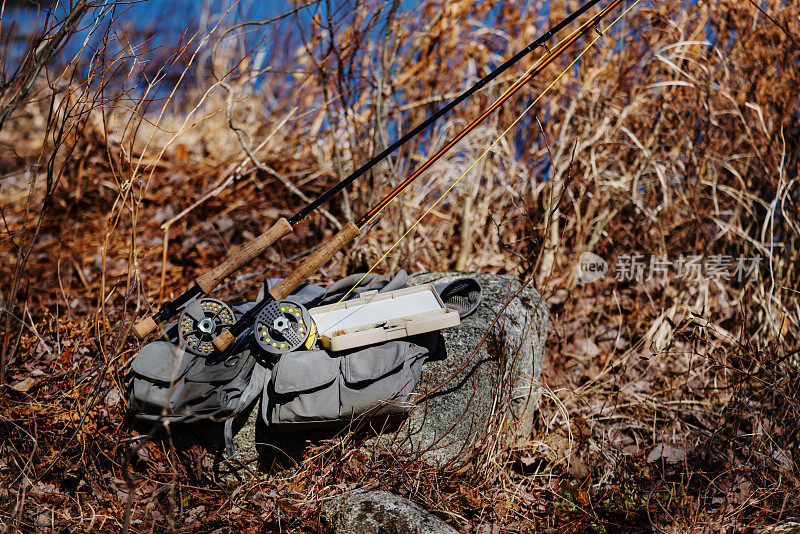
(316,387)
(377,379)
(303,389)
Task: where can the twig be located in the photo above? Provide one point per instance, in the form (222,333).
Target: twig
(778,24)
(36,59)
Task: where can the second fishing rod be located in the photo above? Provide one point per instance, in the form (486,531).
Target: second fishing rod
(321,256)
(204,284)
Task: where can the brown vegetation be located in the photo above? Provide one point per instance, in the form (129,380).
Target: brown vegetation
(670,404)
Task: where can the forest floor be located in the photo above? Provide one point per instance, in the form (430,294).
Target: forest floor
(671,390)
(652,416)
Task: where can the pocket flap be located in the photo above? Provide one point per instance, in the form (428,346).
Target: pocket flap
(161,361)
(302,371)
(374,362)
(225,371)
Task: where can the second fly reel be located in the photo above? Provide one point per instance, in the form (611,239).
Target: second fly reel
(284,326)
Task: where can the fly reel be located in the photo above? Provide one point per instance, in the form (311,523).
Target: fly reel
(202,321)
(284,326)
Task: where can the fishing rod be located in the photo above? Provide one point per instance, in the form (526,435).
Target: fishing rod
(205,283)
(273,304)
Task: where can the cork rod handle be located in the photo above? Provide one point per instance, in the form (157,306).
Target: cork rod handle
(224,340)
(243,256)
(316,260)
(144,328)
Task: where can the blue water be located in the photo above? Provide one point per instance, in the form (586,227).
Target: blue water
(156,26)
(153,28)
(142,36)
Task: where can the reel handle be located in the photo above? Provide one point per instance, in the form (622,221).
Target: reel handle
(244,255)
(144,328)
(312,264)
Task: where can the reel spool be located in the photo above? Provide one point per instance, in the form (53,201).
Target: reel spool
(284,326)
(202,321)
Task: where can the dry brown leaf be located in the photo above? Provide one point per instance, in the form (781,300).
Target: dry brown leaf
(24,385)
(667,453)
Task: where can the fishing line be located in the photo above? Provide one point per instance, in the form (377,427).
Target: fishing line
(601,33)
(369,221)
(205,283)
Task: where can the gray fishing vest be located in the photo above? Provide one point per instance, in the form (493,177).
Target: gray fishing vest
(305,388)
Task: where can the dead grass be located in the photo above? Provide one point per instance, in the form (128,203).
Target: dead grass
(669,405)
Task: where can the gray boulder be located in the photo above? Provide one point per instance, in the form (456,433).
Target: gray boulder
(790,527)
(482,393)
(378,512)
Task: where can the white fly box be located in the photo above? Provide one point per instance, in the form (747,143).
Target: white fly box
(378,317)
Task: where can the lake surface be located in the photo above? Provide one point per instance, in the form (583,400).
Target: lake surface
(157,24)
